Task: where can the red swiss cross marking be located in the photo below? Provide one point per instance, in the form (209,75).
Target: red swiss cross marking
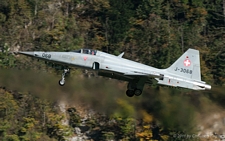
(187,62)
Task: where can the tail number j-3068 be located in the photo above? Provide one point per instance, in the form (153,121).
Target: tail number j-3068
(183,70)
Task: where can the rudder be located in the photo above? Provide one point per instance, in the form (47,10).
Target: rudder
(188,65)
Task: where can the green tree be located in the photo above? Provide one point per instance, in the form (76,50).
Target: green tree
(28,131)
(7,60)
(55,128)
(74,119)
(8,110)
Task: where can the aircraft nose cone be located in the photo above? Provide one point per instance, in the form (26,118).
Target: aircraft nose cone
(26,53)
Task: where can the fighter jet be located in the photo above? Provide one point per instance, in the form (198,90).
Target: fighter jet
(184,73)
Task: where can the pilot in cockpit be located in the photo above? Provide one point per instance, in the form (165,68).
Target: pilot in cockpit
(85,51)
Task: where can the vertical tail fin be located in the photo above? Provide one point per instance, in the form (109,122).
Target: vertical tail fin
(188,65)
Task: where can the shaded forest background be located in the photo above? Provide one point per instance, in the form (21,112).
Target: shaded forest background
(152,32)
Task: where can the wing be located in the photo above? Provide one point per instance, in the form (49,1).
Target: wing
(130,76)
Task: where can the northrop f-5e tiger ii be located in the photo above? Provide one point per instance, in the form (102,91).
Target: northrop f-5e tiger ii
(184,73)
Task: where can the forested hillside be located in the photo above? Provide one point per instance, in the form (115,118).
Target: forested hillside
(153,32)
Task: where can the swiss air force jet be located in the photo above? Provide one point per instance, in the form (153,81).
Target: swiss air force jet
(185,72)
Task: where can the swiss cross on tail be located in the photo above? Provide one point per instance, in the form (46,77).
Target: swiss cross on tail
(187,62)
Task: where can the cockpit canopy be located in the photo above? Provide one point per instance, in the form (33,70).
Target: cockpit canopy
(85,51)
